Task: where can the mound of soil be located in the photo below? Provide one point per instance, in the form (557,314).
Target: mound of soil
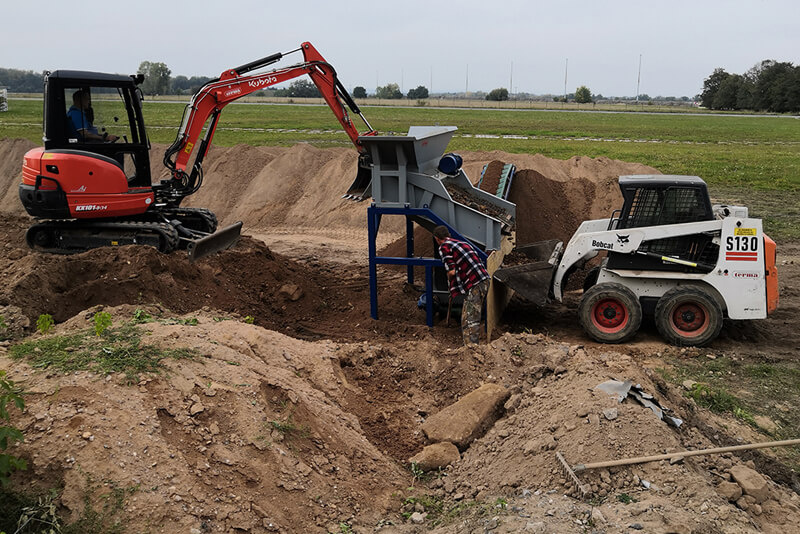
(249,279)
(248,436)
(11,153)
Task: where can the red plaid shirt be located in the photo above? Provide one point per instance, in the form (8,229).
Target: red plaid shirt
(460,257)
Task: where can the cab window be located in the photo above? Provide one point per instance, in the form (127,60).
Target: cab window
(95,115)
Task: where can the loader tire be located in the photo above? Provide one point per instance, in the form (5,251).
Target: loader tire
(610,313)
(688,316)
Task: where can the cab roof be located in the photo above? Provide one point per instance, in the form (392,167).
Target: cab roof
(99,78)
(660,180)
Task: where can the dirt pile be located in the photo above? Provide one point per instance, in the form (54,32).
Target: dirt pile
(11,152)
(301,186)
(555,408)
(268,187)
(307,301)
(263,432)
(248,435)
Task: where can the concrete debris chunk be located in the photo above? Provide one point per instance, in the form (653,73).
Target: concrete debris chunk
(730,491)
(436,456)
(292,292)
(469,418)
(610,414)
(418,518)
(751,482)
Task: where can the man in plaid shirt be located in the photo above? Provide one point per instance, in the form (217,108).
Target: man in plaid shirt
(467,276)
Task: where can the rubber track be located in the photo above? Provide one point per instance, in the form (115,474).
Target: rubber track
(169,242)
(208,217)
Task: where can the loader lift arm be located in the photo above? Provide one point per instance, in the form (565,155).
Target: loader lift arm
(207,104)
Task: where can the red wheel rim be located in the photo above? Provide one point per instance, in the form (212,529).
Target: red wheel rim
(690,319)
(609,315)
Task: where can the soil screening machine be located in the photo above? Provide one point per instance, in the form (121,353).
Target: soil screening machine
(94,189)
(669,253)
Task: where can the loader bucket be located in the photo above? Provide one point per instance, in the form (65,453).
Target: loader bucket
(361,187)
(533,281)
(215,242)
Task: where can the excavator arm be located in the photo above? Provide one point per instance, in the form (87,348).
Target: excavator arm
(207,104)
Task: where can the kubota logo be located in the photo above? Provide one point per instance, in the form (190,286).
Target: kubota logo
(263,81)
(91,207)
(232,92)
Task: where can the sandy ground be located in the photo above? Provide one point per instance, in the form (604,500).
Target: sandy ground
(198,442)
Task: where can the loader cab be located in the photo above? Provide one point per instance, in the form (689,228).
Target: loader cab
(658,200)
(77,102)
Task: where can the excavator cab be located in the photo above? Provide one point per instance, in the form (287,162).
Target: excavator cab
(101,114)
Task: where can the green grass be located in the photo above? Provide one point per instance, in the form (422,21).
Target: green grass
(116,350)
(750,157)
(746,388)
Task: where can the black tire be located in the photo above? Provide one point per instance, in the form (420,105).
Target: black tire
(688,316)
(591,278)
(610,313)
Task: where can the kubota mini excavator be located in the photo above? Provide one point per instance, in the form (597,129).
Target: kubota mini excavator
(94,189)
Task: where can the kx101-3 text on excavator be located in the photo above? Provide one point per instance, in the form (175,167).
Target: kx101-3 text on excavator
(94,189)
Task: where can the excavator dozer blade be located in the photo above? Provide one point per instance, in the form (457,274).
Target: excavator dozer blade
(361,187)
(215,242)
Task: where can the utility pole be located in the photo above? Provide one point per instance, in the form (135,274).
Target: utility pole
(401,81)
(566,69)
(511,79)
(639,78)
(466,87)
(430,92)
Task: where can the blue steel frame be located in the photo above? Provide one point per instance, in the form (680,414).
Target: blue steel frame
(374,214)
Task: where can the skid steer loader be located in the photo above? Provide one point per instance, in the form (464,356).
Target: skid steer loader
(668,253)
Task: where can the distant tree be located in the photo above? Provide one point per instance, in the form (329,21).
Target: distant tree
(583,95)
(359,92)
(418,93)
(497,95)
(774,88)
(711,86)
(389,91)
(21,81)
(156,78)
(597,97)
(727,93)
(181,85)
(303,89)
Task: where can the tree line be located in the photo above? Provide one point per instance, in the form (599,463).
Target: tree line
(768,86)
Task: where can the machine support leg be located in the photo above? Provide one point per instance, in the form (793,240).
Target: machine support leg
(373,219)
(429,294)
(410,247)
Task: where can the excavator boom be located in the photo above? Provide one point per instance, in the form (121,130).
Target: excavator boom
(206,105)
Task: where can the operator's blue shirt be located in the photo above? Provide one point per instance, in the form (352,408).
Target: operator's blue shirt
(78,121)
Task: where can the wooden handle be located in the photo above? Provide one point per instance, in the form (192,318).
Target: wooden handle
(684,454)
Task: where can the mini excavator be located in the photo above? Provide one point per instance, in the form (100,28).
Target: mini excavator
(93,189)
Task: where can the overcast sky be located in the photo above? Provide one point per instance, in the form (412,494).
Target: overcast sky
(445,46)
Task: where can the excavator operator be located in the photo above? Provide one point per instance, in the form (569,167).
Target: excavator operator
(80,120)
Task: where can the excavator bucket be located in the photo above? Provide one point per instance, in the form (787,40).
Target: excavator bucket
(215,242)
(533,280)
(361,187)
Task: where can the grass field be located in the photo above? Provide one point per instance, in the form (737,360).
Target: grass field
(752,159)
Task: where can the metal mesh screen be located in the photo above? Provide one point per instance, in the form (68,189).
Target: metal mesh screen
(653,207)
